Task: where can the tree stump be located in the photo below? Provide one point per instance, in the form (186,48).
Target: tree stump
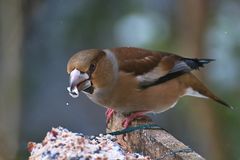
(158,144)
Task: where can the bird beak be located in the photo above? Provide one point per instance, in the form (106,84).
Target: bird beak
(78,82)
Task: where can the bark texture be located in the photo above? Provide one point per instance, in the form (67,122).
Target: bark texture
(156,143)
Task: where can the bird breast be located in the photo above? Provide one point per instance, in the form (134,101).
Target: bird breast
(125,96)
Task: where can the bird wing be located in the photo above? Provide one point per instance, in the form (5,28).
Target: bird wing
(154,67)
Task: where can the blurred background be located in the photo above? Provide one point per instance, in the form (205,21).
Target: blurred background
(38,37)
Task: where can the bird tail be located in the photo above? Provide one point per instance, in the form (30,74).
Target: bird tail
(197,63)
(199,87)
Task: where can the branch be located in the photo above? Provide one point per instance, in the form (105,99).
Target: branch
(158,144)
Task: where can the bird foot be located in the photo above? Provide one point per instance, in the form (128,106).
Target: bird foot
(127,121)
(109,114)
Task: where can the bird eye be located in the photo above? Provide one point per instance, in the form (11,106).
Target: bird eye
(92,68)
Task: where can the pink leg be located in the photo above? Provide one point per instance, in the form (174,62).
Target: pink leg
(127,121)
(109,114)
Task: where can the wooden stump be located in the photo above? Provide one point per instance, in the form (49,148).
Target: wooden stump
(158,144)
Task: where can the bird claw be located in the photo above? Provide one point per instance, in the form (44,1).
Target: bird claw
(109,114)
(128,120)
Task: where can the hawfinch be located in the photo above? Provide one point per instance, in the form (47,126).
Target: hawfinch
(135,81)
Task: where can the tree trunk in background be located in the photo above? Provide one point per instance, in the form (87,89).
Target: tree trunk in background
(191,31)
(11,31)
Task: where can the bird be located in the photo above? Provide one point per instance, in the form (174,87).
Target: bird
(135,81)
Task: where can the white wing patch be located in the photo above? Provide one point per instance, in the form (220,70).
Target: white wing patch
(151,76)
(190,92)
(157,72)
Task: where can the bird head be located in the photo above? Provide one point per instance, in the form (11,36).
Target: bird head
(88,70)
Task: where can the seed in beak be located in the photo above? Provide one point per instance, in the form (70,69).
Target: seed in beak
(73,91)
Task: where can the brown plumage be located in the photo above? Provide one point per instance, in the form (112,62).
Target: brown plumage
(139,61)
(135,80)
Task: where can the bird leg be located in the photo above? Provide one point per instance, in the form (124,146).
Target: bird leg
(109,114)
(127,121)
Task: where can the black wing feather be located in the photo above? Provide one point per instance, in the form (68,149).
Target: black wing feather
(163,79)
(178,70)
(196,63)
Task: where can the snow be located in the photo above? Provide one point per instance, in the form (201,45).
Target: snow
(74,92)
(61,144)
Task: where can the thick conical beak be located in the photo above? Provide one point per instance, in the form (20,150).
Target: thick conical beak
(78,82)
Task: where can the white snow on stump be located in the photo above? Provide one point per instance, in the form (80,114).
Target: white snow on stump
(61,144)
